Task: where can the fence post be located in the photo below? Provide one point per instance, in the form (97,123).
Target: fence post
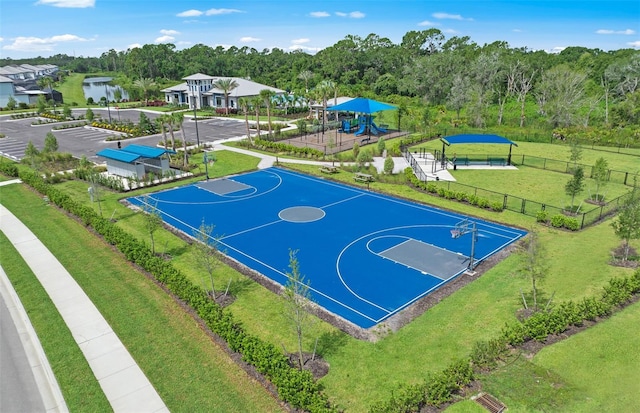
(582,224)
(523,208)
(504,202)
(626,175)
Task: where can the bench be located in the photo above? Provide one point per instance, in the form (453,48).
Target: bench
(365,140)
(360,177)
(329,169)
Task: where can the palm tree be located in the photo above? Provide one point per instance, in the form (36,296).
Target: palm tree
(257,103)
(145,84)
(44,83)
(226,85)
(160,123)
(178,119)
(327,88)
(169,121)
(295,99)
(244,105)
(306,75)
(267,95)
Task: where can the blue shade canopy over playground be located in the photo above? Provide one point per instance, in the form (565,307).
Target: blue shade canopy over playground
(362,105)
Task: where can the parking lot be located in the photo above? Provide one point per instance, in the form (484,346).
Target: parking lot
(84,141)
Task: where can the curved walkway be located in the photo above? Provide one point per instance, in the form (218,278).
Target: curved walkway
(124,384)
(267,161)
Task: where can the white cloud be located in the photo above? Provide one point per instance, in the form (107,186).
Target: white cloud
(134,46)
(249,39)
(517,30)
(606,31)
(165,39)
(76,4)
(319,14)
(169,32)
(449,31)
(305,48)
(634,44)
(557,49)
(190,13)
(1,39)
(41,44)
(217,12)
(294,41)
(428,23)
(353,14)
(449,16)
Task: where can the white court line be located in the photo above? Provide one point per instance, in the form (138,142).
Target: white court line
(310,288)
(274,270)
(224,201)
(495,230)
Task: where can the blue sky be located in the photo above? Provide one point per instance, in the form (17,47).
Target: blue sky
(30,28)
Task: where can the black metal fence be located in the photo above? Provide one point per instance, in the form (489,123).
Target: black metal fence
(522,205)
(621,177)
(532,208)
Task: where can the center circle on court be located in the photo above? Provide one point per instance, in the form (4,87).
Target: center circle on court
(301,214)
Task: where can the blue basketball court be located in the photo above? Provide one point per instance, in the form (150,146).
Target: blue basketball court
(365,256)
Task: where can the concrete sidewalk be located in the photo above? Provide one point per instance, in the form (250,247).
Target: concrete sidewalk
(267,161)
(123,382)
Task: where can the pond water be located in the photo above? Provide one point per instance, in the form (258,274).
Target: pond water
(98,87)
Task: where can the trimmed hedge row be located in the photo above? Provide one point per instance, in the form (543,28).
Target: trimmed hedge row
(441,387)
(558,221)
(437,389)
(434,189)
(9,169)
(285,147)
(294,386)
(539,326)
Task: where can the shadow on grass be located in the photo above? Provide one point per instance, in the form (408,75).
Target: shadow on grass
(240,286)
(330,342)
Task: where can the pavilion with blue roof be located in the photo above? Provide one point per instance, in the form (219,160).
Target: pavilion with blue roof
(137,160)
(476,138)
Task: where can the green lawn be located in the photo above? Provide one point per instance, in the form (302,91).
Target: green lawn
(79,387)
(198,377)
(71,89)
(361,372)
(602,362)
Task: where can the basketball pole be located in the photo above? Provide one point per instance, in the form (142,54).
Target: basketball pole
(473,246)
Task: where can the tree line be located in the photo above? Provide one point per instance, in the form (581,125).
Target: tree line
(482,86)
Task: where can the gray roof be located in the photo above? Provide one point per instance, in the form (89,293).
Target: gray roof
(4,79)
(245,87)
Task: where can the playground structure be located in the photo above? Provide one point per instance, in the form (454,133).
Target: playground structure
(364,124)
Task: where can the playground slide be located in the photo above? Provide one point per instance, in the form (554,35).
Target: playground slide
(361,131)
(378,128)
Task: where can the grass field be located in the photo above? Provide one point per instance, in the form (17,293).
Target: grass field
(199,377)
(362,373)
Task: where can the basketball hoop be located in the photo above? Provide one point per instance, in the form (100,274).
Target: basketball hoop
(455,233)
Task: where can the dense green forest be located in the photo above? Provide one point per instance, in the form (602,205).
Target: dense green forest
(432,78)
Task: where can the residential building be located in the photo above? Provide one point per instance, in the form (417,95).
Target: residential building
(198,89)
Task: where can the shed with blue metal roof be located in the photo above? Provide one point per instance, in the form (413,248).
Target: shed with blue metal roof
(137,161)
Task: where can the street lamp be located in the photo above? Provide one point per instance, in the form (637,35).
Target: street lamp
(195,116)
(206,165)
(106,92)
